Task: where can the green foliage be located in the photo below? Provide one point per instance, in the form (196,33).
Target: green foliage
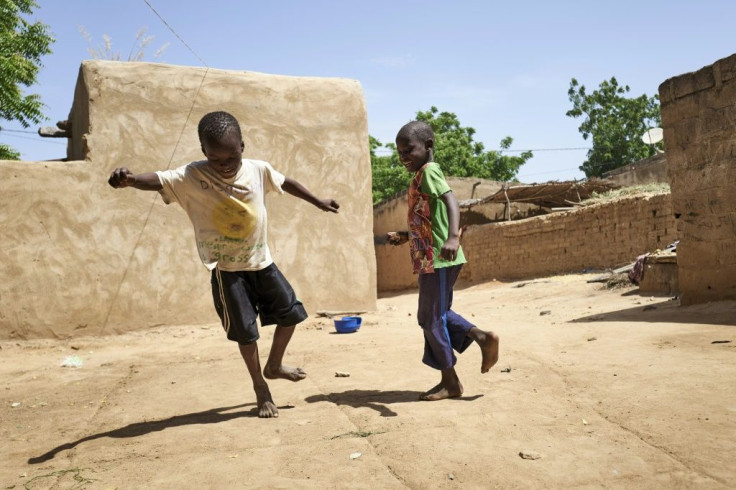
(460,156)
(21,46)
(615,123)
(389,176)
(455,150)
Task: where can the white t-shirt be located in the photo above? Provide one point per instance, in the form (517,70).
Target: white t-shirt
(229,215)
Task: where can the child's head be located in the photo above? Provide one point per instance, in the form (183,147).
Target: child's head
(415,145)
(222,142)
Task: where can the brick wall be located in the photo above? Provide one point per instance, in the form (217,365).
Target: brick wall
(699,121)
(600,236)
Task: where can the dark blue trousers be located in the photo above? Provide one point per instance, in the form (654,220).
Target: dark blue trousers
(444,330)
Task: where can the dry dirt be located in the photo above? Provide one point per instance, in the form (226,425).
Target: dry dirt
(606,388)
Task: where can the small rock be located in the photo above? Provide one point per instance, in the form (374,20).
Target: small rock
(544,312)
(450,476)
(72,361)
(342,374)
(355,455)
(15,405)
(591,339)
(721,342)
(529,455)
(507,369)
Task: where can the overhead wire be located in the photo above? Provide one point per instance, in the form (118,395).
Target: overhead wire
(168,165)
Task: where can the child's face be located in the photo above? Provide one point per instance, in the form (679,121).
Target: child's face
(225,156)
(413,152)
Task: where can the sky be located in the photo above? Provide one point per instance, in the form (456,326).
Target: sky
(504,68)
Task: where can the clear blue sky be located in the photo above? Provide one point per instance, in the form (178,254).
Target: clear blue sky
(503,67)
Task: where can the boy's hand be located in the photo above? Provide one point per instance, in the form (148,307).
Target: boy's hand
(397,237)
(449,249)
(121,177)
(328,205)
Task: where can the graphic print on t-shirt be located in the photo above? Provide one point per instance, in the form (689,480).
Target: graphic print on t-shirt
(234,219)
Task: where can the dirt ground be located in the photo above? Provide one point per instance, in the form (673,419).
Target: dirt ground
(601,388)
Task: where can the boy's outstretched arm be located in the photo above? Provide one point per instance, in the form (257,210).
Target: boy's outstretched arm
(296,189)
(122,177)
(449,248)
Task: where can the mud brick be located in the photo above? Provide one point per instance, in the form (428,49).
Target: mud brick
(727,68)
(690,83)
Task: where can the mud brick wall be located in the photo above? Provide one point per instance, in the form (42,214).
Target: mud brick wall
(699,122)
(594,237)
(601,236)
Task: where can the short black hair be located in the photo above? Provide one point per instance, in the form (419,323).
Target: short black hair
(216,125)
(416,130)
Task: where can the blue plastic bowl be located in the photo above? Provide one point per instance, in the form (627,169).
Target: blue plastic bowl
(348,324)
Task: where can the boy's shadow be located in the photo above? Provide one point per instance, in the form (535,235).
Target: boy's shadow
(212,416)
(375,399)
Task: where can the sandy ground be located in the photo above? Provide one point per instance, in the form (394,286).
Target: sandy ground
(608,389)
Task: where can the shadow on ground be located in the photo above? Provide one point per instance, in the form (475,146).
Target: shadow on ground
(212,416)
(375,399)
(718,313)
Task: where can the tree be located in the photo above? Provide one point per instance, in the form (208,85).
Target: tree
(455,150)
(615,123)
(389,175)
(21,46)
(137,51)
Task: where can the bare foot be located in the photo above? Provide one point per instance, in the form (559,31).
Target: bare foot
(489,349)
(284,372)
(266,407)
(440,392)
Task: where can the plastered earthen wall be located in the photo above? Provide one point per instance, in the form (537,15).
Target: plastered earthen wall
(699,122)
(648,171)
(599,236)
(78,257)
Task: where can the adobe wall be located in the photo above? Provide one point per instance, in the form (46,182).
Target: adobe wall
(698,118)
(78,257)
(599,236)
(648,171)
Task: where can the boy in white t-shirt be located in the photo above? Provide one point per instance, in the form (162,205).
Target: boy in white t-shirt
(224,197)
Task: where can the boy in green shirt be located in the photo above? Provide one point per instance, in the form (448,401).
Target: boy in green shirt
(434,238)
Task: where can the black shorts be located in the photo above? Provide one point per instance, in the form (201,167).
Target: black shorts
(241,297)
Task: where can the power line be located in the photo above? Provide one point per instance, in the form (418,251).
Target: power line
(171,158)
(41,140)
(545,149)
(17,130)
(175,33)
(390,152)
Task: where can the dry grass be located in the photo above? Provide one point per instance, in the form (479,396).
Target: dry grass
(612,195)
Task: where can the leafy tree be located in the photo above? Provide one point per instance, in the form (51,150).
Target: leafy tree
(455,150)
(614,122)
(389,176)
(460,156)
(21,46)
(137,51)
